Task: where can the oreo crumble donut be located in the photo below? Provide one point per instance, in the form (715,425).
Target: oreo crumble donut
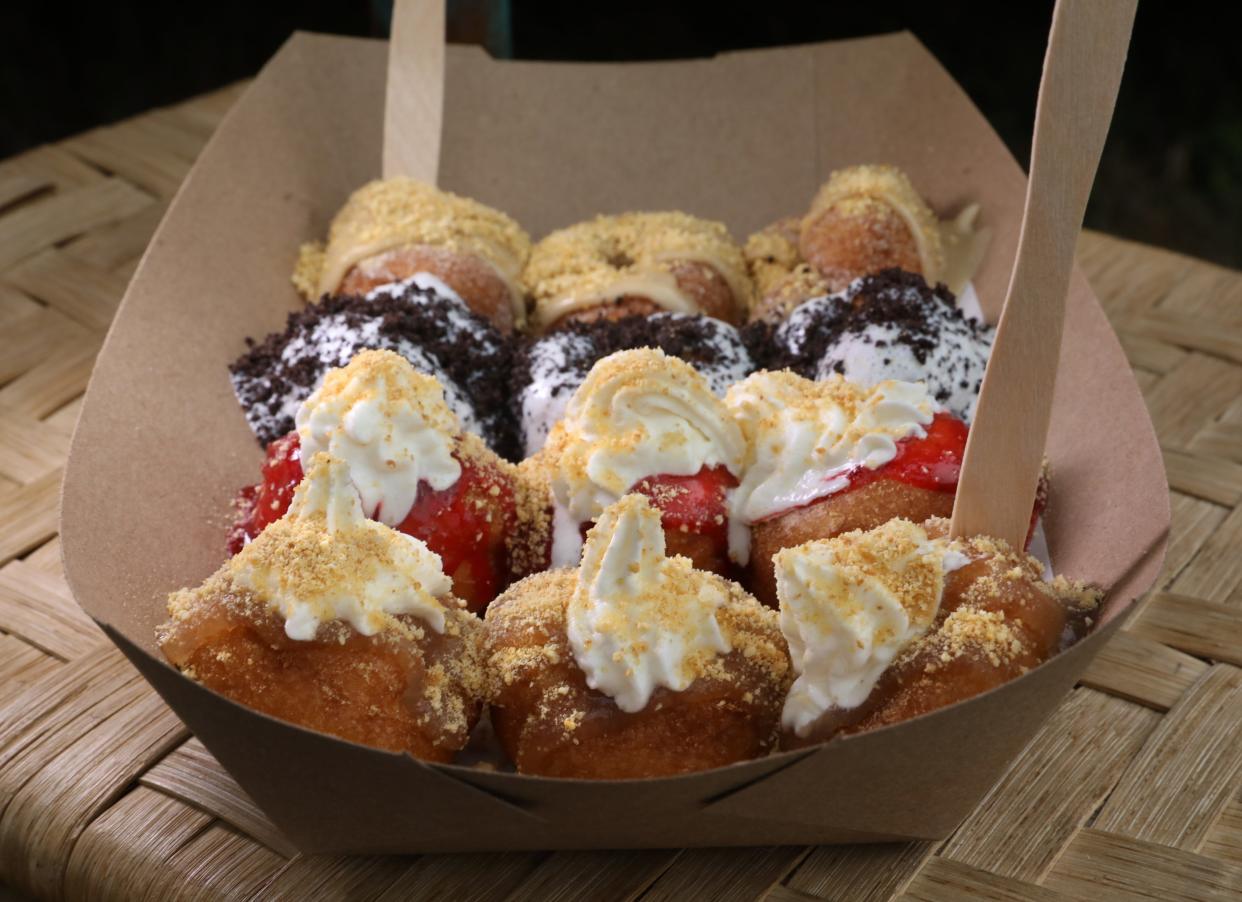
(548,370)
(614,266)
(891,325)
(421,319)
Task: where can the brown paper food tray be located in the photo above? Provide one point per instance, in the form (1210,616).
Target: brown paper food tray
(745,138)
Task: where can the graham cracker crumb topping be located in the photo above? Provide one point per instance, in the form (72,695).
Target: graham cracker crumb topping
(391,213)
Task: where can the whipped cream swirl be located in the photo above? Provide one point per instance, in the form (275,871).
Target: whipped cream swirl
(850,605)
(389,424)
(639,413)
(639,620)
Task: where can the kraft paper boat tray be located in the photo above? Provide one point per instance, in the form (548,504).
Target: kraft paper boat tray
(744,138)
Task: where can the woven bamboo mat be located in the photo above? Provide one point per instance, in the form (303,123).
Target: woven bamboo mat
(1130,791)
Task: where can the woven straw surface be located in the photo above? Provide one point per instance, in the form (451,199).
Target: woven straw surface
(1130,791)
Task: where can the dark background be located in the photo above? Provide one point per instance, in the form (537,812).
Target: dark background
(1171,173)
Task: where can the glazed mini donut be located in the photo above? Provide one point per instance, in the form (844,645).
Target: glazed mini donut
(633,665)
(645,422)
(417,471)
(866,219)
(637,263)
(337,623)
(391,229)
(944,620)
(825,457)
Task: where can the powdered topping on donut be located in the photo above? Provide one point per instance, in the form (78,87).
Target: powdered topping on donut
(881,196)
(548,370)
(325,560)
(892,325)
(850,605)
(638,619)
(639,413)
(634,254)
(391,213)
(420,319)
(389,424)
(804,438)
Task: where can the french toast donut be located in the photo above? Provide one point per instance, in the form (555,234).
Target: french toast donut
(637,263)
(390,229)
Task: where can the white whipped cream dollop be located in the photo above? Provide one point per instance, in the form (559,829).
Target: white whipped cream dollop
(805,437)
(325,560)
(389,424)
(639,620)
(850,605)
(639,413)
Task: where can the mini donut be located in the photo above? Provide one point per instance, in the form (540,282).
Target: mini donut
(825,457)
(391,229)
(865,507)
(417,471)
(421,319)
(890,325)
(642,421)
(336,623)
(637,263)
(866,219)
(676,671)
(946,620)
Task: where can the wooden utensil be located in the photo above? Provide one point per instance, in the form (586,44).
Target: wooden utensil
(414,101)
(1004,454)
